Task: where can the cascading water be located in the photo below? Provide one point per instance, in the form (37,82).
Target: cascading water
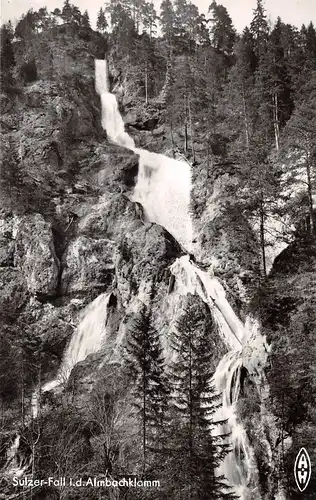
(238,464)
(163,188)
(88,338)
(163,184)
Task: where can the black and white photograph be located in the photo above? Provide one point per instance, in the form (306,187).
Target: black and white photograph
(158,250)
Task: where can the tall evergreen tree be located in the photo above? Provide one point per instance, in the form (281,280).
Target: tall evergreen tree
(86,19)
(149,19)
(222,31)
(194,452)
(102,23)
(67,11)
(259,28)
(167,21)
(145,364)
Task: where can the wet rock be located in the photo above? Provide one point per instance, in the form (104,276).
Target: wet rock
(35,255)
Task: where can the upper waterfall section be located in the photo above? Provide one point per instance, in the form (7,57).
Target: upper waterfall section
(163,184)
(112,121)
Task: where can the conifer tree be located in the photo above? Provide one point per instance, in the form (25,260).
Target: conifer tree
(300,137)
(85,19)
(259,29)
(167,21)
(149,19)
(67,11)
(222,31)
(145,364)
(194,453)
(102,23)
(308,37)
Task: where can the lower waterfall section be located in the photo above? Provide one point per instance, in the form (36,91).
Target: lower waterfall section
(88,338)
(239,462)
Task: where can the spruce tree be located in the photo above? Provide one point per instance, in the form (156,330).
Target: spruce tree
(194,453)
(145,363)
(259,28)
(66,12)
(102,23)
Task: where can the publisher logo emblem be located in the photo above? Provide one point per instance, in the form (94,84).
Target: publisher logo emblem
(302,469)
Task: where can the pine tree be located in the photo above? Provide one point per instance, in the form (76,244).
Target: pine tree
(240,93)
(222,31)
(167,21)
(308,37)
(102,23)
(149,19)
(145,364)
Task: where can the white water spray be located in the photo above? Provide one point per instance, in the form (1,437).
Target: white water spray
(163,188)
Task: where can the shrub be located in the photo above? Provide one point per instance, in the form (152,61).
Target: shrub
(28,71)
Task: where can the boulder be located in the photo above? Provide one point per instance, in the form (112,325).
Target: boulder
(112,217)
(142,258)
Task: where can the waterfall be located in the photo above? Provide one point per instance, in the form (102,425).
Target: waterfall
(238,464)
(163,184)
(88,338)
(163,188)
(16,463)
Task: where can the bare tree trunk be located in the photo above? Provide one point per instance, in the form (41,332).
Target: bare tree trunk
(146,83)
(276,121)
(191,131)
(310,194)
(172,139)
(191,416)
(262,238)
(144,423)
(245,117)
(185,125)
(22,394)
